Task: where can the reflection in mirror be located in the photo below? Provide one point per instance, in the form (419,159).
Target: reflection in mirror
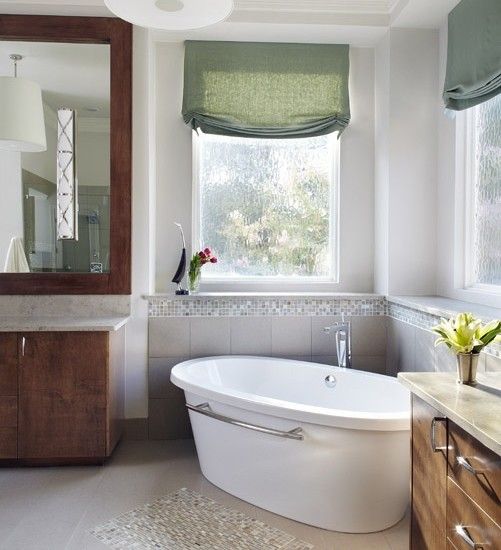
(74,77)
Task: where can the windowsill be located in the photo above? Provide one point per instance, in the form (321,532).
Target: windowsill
(445,307)
(171,296)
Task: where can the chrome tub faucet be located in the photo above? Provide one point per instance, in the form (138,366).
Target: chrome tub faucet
(342,334)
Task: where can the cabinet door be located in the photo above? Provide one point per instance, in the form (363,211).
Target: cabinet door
(62,394)
(429,477)
(8,395)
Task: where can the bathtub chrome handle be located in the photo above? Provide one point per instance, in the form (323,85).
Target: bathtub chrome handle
(204,408)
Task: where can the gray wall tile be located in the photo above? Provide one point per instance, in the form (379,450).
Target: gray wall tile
(425,352)
(401,346)
(370,363)
(482,363)
(168,419)
(291,336)
(169,337)
(295,357)
(135,429)
(369,335)
(250,335)
(321,342)
(210,336)
(328,360)
(159,382)
(445,360)
(492,363)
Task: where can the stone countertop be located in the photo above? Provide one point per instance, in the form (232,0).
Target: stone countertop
(37,323)
(476,409)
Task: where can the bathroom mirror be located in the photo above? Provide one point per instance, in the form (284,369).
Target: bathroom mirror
(65,161)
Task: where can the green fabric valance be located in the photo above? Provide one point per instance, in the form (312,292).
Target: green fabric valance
(267,90)
(473,54)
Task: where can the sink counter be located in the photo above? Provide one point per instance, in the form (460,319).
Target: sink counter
(38,323)
(476,409)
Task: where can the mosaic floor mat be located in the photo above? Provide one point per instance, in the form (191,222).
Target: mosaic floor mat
(186,520)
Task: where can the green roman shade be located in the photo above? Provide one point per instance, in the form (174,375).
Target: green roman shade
(473,54)
(266,90)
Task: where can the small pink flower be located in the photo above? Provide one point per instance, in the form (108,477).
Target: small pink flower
(207,251)
(201,254)
(213,260)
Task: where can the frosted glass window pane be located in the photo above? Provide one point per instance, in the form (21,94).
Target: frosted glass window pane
(266,205)
(487,193)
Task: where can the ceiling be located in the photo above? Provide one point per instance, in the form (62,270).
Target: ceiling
(358,22)
(70,75)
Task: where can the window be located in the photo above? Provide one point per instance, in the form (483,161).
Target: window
(267,207)
(483,196)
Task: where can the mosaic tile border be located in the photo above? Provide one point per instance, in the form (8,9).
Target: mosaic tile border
(266,306)
(425,320)
(294,306)
(186,520)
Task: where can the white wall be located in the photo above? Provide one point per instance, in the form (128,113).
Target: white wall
(173,163)
(450,199)
(11,218)
(382,164)
(136,402)
(174,171)
(406,173)
(93,158)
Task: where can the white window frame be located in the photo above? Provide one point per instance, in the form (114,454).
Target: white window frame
(273,284)
(465,287)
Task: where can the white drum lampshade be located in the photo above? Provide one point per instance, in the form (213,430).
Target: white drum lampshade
(22,125)
(171,15)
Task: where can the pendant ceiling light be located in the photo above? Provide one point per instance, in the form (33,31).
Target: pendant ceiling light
(22,125)
(172,15)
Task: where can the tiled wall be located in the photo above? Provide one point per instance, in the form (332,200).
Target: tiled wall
(175,339)
(411,345)
(264,306)
(198,326)
(387,338)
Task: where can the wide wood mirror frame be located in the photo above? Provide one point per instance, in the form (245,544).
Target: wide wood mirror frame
(118,34)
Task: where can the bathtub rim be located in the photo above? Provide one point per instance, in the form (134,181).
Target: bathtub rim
(338,418)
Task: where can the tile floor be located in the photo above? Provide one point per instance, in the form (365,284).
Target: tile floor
(54,508)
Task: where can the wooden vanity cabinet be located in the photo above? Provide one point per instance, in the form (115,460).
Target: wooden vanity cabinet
(8,396)
(456,486)
(429,477)
(66,390)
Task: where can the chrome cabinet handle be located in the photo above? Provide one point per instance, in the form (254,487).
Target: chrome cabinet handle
(464,463)
(204,408)
(23,345)
(463,533)
(433,443)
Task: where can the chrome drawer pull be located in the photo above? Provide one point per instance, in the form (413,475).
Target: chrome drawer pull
(434,447)
(464,463)
(463,533)
(204,408)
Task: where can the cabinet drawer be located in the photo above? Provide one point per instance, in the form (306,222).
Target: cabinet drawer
(476,469)
(463,513)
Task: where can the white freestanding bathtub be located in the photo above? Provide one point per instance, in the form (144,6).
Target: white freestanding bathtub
(274,432)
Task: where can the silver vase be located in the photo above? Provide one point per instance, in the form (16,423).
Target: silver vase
(467,368)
